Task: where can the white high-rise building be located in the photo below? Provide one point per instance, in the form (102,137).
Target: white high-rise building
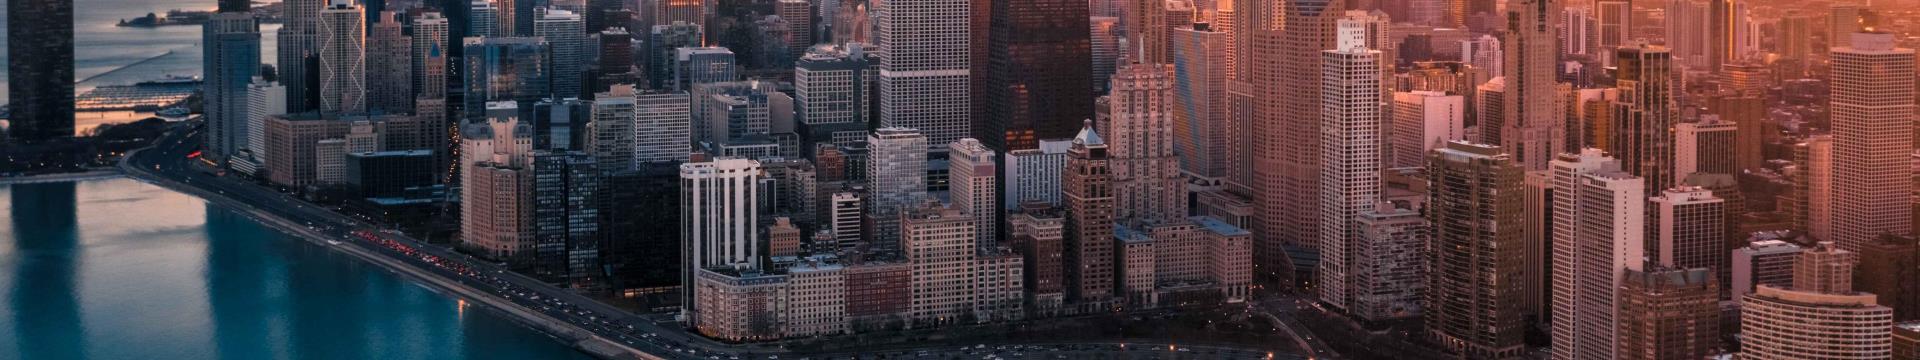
(263,98)
(611,132)
(1703,147)
(924,66)
(566,36)
(1599,232)
(1350,124)
(343,58)
(1034,174)
(896,181)
(1138,119)
(1423,121)
(1871,108)
(845,209)
(720,228)
(1692,229)
(971,176)
(663,126)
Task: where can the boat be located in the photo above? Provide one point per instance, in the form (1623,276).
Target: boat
(177,113)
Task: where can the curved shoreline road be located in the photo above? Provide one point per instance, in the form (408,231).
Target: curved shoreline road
(600,329)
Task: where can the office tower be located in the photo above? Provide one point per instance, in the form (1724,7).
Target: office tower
(429,59)
(566,218)
(1813,186)
(939,241)
(924,66)
(1201,126)
(1350,159)
(1872,106)
(1906,340)
(291,159)
(1763,261)
(663,126)
(1138,116)
(1689,27)
(297,45)
(1796,36)
(1484,52)
(663,41)
(389,66)
(1489,109)
(1825,268)
(1599,231)
(692,12)
(496,206)
(1474,297)
(1146,27)
(612,136)
(896,180)
(1424,121)
(1643,115)
(1534,128)
(1614,23)
(1705,147)
(343,58)
(1887,267)
(232,54)
(264,98)
(1034,175)
(1851,325)
(703,65)
(1039,64)
(1285,168)
(484,20)
(1748,113)
(1577,33)
(1105,43)
(1593,108)
(1668,313)
(720,228)
(505,69)
(799,19)
(971,180)
(1691,229)
(844,209)
(1087,190)
(834,92)
(1388,262)
(616,61)
(329,161)
(566,36)
(1536,236)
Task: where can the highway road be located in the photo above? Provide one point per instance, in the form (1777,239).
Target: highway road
(168,160)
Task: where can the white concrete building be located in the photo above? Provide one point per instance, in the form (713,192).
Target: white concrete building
(1034,174)
(924,67)
(1872,107)
(1350,157)
(970,186)
(1599,233)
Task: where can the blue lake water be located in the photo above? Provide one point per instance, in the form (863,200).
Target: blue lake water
(100,47)
(120,269)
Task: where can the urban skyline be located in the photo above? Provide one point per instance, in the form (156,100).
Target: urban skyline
(1484,179)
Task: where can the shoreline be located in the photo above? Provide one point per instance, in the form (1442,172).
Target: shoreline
(95,174)
(572,336)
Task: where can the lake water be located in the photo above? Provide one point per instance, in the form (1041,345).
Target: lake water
(120,269)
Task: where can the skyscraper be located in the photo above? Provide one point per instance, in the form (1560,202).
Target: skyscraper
(343,58)
(389,65)
(834,93)
(1201,125)
(1286,151)
(505,69)
(1350,158)
(1668,314)
(297,44)
(1689,25)
(1599,232)
(1852,325)
(799,17)
(232,55)
(1871,106)
(972,178)
(1613,20)
(664,125)
(924,66)
(1138,118)
(496,206)
(1534,129)
(1474,297)
(566,224)
(1105,43)
(1691,229)
(1643,115)
(720,228)
(663,40)
(1039,63)
(1388,265)
(703,65)
(1706,147)
(430,36)
(566,34)
(1087,188)
(612,136)
(896,180)
(1424,121)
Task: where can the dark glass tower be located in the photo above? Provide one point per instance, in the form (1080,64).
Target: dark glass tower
(1039,64)
(40,69)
